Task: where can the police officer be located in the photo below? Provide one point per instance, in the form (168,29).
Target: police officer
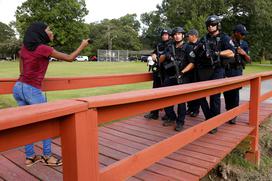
(193,40)
(218,50)
(177,63)
(236,66)
(157,69)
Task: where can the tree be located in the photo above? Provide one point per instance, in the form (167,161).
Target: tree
(65,17)
(9,45)
(154,23)
(260,29)
(6,33)
(256,15)
(189,14)
(10,48)
(116,34)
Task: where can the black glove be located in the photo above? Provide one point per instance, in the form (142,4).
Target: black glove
(180,78)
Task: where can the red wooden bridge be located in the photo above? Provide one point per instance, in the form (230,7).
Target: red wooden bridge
(132,148)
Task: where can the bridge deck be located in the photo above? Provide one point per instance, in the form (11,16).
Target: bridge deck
(121,139)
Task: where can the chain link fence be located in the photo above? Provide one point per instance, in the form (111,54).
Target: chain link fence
(121,55)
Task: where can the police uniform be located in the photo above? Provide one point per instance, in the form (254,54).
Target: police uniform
(157,72)
(211,65)
(235,68)
(215,69)
(201,69)
(194,105)
(183,58)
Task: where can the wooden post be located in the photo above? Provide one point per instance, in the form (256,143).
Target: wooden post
(255,89)
(79,140)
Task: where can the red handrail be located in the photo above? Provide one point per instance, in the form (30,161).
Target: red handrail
(75,121)
(68,83)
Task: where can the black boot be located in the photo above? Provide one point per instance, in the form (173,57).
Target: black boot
(151,116)
(194,114)
(168,122)
(232,121)
(179,127)
(164,117)
(213,131)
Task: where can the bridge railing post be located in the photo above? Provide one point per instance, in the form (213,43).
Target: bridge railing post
(79,141)
(255,90)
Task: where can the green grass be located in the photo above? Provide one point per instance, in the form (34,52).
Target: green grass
(66,69)
(250,69)
(74,69)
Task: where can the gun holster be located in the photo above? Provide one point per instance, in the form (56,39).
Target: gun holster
(169,65)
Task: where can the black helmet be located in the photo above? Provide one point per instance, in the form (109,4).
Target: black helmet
(178,30)
(213,19)
(165,31)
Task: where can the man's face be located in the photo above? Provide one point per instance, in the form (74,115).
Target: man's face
(212,28)
(178,37)
(165,37)
(192,38)
(239,36)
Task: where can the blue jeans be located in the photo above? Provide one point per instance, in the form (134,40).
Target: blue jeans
(26,94)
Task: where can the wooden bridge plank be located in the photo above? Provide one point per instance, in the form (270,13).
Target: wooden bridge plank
(122,141)
(119,140)
(117,146)
(144,130)
(195,170)
(172,173)
(153,125)
(10,171)
(182,166)
(182,158)
(151,176)
(146,175)
(127,136)
(135,133)
(118,155)
(198,155)
(204,150)
(133,179)
(212,146)
(190,160)
(111,153)
(40,171)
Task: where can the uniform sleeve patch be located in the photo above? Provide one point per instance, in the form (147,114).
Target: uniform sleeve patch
(231,42)
(192,54)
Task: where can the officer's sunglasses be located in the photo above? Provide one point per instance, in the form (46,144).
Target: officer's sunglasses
(212,24)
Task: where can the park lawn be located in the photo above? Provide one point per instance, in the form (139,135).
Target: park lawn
(77,69)
(74,69)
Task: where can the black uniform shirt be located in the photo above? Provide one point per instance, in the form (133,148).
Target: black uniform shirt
(218,43)
(160,48)
(243,44)
(180,54)
(224,42)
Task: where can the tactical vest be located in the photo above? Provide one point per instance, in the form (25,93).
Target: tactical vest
(238,59)
(174,62)
(161,48)
(212,45)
